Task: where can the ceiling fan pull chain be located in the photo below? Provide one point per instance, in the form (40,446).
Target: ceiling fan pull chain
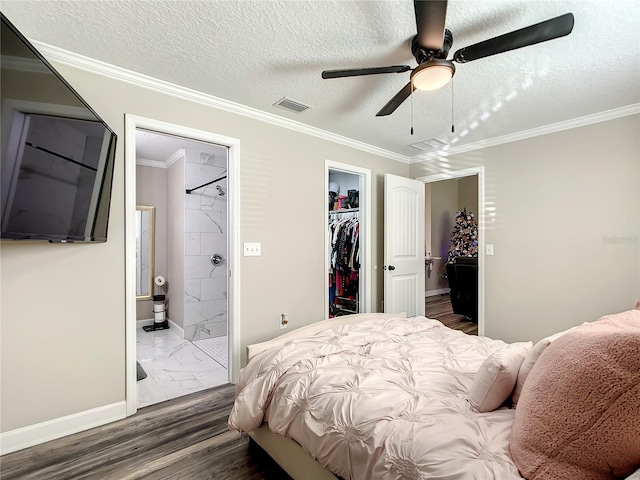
(412,108)
(453,129)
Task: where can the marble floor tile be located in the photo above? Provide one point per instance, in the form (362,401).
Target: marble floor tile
(174,367)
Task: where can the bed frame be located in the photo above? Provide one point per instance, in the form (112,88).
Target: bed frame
(293,459)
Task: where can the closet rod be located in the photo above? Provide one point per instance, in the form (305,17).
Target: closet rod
(189,190)
(344,210)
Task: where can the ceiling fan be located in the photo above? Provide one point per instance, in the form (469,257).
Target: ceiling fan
(431,46)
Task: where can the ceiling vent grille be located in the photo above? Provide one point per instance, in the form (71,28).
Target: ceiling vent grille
(427,145)
(291,105)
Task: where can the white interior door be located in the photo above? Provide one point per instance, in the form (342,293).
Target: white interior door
(403,245)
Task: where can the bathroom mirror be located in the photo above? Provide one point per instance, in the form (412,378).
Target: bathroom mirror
(145,240)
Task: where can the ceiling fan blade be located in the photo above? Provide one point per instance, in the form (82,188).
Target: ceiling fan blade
(540,32)
(430,17)
(396,101)
(354,72)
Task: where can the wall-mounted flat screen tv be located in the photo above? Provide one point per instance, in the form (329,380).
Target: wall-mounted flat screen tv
(57,153)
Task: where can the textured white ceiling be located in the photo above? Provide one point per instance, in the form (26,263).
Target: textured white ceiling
(256,52)
(160,148)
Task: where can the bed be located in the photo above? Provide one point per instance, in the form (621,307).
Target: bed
(387,397)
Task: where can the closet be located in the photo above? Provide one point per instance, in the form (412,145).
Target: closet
(344,235)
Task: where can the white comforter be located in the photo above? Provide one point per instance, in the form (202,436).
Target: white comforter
(380,399)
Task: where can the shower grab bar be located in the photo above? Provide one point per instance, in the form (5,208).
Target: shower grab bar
(189,190)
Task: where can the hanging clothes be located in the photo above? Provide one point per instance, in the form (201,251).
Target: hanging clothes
(344,232)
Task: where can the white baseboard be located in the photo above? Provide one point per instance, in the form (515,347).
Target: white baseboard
(433,293)
(31,435)
(174,326)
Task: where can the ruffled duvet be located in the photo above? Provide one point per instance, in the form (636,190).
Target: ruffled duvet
(380,399)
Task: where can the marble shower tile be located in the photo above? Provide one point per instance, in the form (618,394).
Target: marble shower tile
(192,200)
(206,329)
(205,221)
(217,328)
(192,243)
(211,243)
(197,174)
(201,312)
(192,290)
(198,266)
(212,200)
(213,288)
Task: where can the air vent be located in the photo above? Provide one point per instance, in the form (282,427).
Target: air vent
(427,145)
(291,105)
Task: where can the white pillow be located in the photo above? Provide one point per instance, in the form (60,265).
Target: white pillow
(527,365)
(496,377)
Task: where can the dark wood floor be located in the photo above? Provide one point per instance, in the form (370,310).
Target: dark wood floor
(186,438)
(183,439)
(439,307)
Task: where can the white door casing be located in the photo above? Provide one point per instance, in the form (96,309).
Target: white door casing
(132,122)
(365,231)
(479,171)
(403,245)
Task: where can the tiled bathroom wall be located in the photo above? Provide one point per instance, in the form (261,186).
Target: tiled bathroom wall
(205,296)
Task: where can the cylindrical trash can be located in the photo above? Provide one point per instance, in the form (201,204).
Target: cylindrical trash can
(159,318)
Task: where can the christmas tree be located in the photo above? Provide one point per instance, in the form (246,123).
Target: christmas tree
(464,238)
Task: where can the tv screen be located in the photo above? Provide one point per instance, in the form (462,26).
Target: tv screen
(57,153)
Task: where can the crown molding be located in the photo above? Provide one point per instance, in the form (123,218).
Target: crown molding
(150,163)
(145,162)
(111,71)
(534,132)
(181,153)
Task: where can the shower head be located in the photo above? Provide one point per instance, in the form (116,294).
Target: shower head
(221,192)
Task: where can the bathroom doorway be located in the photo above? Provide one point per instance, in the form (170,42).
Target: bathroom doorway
(187,179)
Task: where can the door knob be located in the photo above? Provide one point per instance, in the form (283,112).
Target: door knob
(391,267)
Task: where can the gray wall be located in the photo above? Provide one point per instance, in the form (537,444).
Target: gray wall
(151,190)
(175,242)
(65,303)
(443,199)
(565,203)
(468,193)
(444,205)
(565,227)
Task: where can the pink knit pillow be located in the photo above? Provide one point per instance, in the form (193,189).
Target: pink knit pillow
(578,417)
(531,359)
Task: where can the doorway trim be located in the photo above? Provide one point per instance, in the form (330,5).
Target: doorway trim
(132,123)
(364,219)
(469,172)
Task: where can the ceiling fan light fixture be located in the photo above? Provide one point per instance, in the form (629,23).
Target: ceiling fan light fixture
(432,74)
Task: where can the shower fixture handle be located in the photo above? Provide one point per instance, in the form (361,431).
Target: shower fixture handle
(216,259)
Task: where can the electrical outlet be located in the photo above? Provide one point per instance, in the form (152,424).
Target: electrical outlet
(284,320)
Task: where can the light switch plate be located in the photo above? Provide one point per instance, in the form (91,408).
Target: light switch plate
(252,249)
(489,248)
